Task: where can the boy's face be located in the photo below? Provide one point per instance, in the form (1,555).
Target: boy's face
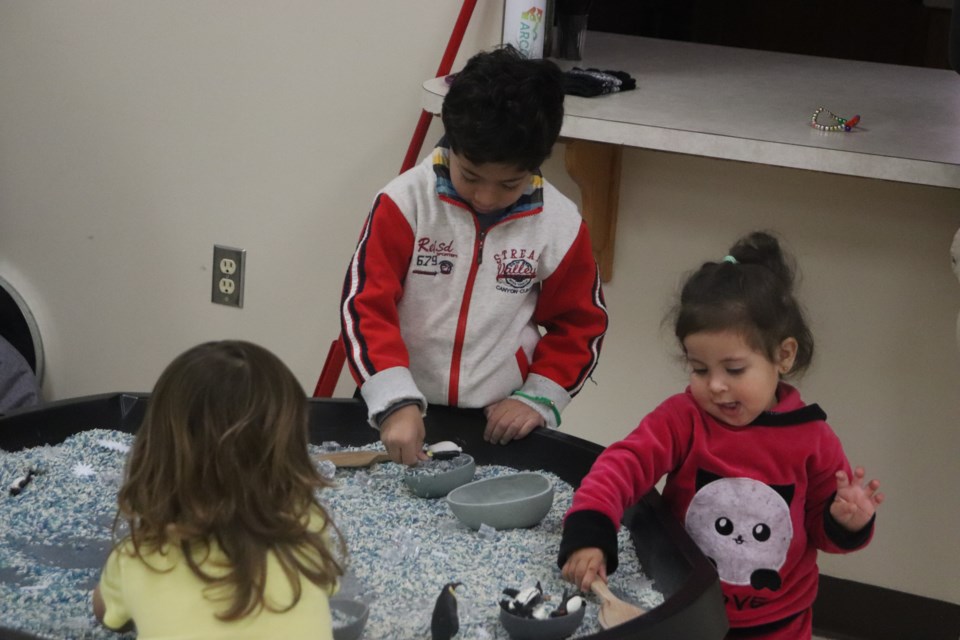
(490,187)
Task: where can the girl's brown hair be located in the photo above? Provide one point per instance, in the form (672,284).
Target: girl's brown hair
(750,291)
(222,457)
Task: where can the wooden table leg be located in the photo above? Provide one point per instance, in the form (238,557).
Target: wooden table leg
(595,167)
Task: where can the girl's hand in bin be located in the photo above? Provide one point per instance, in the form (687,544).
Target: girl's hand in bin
(584,566)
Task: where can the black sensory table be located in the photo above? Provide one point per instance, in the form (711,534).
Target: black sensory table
(693,605)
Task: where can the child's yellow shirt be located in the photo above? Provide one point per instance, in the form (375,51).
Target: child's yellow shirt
(168,601)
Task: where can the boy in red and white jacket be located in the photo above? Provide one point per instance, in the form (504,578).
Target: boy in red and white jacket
(474,283)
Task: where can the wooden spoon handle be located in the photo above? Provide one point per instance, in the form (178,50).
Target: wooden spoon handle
(611,603)
(355,458)
(600,588)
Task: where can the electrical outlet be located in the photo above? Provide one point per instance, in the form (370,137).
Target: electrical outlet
(228,273)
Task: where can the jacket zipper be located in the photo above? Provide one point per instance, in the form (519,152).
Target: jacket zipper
(453,392)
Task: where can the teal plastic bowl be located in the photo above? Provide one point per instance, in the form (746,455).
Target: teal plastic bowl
(349,617)
(428,484)
(514,501)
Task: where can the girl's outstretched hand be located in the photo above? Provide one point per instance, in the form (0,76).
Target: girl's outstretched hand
(856,501)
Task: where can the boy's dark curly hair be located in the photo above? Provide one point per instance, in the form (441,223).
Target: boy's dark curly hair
(504,108)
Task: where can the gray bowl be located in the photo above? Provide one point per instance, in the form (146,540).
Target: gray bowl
(506,502)
(456,472)
(355,612)
(550,629)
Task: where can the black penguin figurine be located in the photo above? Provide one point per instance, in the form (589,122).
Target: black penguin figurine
(446,450)
(17,486)
(568,604)
(444,624)
(523,602)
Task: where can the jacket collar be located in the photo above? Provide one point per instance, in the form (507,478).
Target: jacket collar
(530,202)
(789,410)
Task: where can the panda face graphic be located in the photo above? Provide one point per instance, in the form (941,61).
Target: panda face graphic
(743,526)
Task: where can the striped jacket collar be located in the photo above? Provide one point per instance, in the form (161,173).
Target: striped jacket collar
(530,202)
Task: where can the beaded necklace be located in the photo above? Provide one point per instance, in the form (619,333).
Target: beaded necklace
(842,124)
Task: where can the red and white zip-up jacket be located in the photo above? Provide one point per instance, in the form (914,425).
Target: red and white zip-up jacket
(435,310)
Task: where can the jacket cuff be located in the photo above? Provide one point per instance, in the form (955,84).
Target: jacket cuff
(399,404)
(843,537)
(386,388)
(588,528)
(542,387)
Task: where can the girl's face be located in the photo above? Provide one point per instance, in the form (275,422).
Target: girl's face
(731,380)
(490,187)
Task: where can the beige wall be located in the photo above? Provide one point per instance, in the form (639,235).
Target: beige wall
(882,300)
(136,135)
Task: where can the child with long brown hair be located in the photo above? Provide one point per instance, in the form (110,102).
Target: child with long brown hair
(226,535)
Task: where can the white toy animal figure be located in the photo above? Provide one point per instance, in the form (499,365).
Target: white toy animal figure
(955,264)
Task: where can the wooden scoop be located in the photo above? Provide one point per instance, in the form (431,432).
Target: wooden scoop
(613,610)
(355,458)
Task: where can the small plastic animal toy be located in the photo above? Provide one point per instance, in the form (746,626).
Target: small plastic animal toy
(568,604)
(444,450)
(445,622)
(20,483)
(526,603)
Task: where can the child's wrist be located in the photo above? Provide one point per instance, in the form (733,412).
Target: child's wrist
(540,400)
(393,408)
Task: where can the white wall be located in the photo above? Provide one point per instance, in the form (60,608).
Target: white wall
(136,135)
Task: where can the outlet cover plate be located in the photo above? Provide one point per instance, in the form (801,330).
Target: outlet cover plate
(229,270)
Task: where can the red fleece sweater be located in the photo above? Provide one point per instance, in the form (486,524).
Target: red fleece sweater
(755,499)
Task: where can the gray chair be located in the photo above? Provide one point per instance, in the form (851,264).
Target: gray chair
(21,352)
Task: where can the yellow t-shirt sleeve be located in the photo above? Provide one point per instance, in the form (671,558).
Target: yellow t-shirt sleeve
(316,524)
(111,589)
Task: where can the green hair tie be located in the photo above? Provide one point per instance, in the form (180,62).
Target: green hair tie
(730,259)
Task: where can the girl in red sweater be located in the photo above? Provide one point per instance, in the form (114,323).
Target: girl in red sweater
(757,477)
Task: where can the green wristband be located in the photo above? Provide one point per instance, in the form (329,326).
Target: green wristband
(547,402)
